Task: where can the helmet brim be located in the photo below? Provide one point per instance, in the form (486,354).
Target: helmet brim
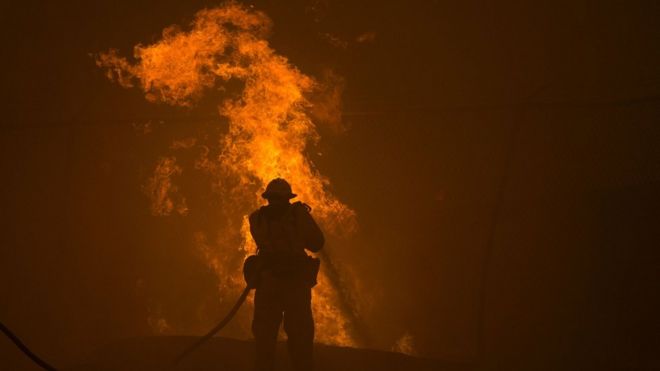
(268,195)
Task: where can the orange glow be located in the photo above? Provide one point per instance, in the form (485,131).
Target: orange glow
(269,130)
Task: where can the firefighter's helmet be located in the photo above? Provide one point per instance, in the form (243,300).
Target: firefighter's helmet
(278,188)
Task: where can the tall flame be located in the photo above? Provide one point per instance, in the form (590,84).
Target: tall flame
(269,131)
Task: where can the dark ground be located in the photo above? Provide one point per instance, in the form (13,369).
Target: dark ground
(156,353)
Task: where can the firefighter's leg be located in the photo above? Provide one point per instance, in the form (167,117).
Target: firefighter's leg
(299,327)
(265,326)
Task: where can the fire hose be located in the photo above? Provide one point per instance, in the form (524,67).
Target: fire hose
(251,272)
(19,344)
(252,268)
(217,328)
(46,366)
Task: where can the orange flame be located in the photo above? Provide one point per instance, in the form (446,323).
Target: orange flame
(269,130)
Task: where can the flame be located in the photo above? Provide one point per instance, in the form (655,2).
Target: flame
(269,130)
(405,345)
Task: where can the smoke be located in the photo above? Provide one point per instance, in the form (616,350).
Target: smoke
(270,128)
(161,189)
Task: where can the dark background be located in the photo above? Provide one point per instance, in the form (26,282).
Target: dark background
(503,160)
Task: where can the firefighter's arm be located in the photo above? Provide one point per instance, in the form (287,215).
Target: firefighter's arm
(312,234)
(254,221)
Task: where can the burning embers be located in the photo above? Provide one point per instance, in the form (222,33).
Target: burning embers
(269,129)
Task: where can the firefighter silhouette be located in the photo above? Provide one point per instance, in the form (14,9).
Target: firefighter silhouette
(283,231)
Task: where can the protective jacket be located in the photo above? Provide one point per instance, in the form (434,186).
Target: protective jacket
(286,229)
